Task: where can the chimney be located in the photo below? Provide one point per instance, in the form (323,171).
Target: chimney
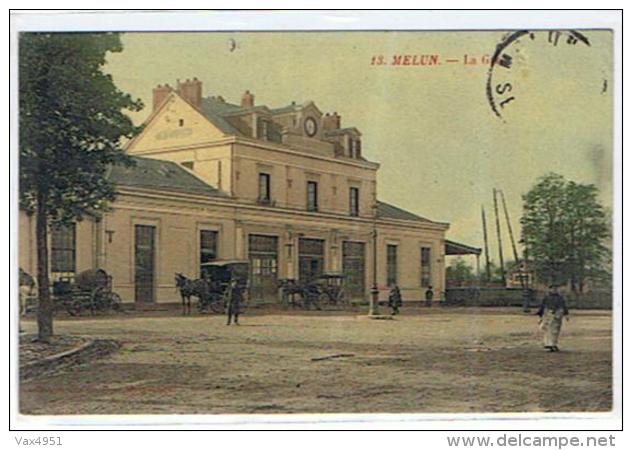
(331,122)
(191,91)
(160,93)
(248,100)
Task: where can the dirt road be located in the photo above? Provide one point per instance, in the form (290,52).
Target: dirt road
(438,360)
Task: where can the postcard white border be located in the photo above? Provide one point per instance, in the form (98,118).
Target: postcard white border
(327,20)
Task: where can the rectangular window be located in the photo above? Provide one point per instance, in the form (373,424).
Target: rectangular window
(312,196)
(264,188)
(354,201)
(262,129)
(144,263)
(426,279)
(63,249)
(391,265)
(208,246)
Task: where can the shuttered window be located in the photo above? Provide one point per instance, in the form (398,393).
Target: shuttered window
(312,196)
(354,201)
(264,188)
(208,246)
(391,265)
(425,267)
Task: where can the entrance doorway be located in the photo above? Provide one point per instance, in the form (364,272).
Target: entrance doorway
(263,255)
(144,262)
(353,267)
(311,259)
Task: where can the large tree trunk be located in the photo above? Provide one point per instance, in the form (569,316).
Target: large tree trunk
(45,304)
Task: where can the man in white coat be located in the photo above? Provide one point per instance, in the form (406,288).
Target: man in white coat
(551,312)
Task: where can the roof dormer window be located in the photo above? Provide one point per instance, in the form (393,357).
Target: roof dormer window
(262,129)
(353,147)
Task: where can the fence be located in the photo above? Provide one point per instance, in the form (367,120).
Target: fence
(499,296)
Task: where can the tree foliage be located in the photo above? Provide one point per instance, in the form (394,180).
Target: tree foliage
(72,125)
(565,228)
(459,271)
(72,122)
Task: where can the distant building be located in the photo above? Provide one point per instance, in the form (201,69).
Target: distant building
(286,188)
(522,275)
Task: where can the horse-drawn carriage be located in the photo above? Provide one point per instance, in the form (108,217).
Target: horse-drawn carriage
(211,288)
(89,290)
(327,288)
(27,293)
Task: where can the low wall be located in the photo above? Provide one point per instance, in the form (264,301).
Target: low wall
(474,296)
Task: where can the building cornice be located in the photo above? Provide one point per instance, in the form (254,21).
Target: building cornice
(284,149)
(262,145)
(232,203)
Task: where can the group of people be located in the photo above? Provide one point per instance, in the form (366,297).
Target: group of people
(395,299)
(551,312)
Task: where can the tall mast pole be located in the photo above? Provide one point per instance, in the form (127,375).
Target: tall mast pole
(500,242)
(522,268)
(487,268)
(511,235)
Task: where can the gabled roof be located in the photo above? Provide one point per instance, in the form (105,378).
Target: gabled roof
(219,106)
(388,211)
(162,175)
(456,248)
(213,109)
(292,107)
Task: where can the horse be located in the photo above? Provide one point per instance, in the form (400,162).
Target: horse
(290,288)
(26,292)
(191,288)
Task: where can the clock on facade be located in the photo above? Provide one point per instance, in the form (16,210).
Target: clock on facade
(310,126)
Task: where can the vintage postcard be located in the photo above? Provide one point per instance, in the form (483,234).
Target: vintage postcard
(265,222)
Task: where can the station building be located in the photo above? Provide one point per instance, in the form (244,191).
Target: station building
(287,188)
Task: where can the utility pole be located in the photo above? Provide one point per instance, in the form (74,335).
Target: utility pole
(500,242)
(487,268)
(526,290)
(522,267)
(375,291)
(511,236)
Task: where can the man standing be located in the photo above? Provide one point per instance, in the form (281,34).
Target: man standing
(551,312)
(429,296)
(395,300)
(233,302)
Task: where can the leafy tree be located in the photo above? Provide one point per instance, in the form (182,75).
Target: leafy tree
(459,270)
(72,124)
(564,229)
(587,230)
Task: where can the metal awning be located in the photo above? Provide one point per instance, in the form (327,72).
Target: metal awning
(456,248)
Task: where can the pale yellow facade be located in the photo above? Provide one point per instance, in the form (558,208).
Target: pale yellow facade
(228,147)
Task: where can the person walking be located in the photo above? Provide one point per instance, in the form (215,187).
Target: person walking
(395,300)
(233,301)
(552,310)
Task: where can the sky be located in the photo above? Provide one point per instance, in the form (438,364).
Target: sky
(441,148)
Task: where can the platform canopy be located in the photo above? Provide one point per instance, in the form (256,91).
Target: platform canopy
(456,248)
